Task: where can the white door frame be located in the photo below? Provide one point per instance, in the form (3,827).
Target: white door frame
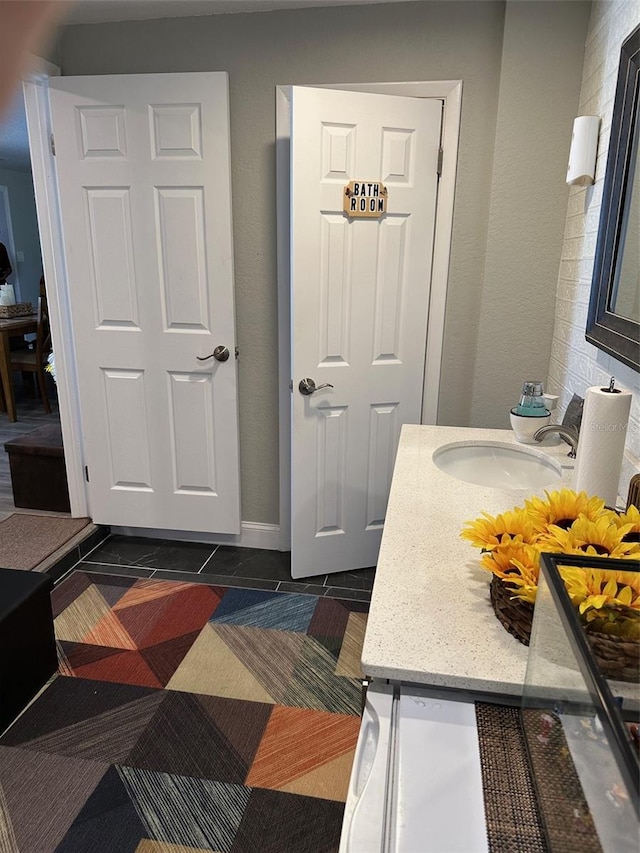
(36,101)
(450,91)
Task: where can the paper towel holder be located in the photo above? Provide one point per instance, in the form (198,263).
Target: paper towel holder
(612,387)
(581,170)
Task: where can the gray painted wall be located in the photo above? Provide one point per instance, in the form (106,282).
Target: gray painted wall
(542,57)
(505,170)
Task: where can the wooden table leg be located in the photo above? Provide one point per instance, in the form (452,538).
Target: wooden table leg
(5,376)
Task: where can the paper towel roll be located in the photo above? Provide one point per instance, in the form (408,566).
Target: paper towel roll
(601,445)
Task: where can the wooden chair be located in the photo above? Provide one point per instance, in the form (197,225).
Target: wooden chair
(33,361)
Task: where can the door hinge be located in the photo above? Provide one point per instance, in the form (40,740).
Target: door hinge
(291,385)
(439,166)
(86,473)
(237,352)
(53,144)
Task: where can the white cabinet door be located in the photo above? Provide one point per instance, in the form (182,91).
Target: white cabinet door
(144,180)
(360,302)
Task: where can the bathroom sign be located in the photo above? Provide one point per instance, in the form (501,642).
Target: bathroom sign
(365,199)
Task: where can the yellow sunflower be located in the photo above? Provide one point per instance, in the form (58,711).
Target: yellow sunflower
(632,517)
(563,507)
(527,582)
(487,532)
(517,563)
(608,601)
(601,537)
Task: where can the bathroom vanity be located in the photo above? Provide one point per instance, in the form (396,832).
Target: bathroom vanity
(430,620)
(433,645)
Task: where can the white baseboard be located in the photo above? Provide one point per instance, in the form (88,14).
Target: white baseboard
(253,535)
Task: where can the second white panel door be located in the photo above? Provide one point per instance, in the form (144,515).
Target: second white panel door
(360,300)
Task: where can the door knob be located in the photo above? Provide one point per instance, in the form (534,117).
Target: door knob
(220,354)
(308,386)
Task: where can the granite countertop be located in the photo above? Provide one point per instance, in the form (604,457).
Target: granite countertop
(431,621)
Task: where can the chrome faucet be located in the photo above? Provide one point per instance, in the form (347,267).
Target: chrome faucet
(567,433)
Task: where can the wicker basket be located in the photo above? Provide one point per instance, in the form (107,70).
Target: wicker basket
(617,658)
(20,309)
(515,614)
(634,491)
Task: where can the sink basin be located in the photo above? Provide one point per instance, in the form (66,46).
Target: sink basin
(498,465)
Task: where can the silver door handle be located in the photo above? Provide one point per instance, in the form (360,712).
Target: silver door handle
(220,354)
(308,386)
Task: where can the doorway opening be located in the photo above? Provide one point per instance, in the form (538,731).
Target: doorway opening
(29,392)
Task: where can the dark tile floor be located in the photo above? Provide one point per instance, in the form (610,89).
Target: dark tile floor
(218,564)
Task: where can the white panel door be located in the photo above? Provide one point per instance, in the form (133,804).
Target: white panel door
(144,179)
(360,301)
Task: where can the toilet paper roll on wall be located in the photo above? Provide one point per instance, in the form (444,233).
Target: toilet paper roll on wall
(602,437)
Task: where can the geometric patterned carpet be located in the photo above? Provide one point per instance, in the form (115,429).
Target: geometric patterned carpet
(187,718)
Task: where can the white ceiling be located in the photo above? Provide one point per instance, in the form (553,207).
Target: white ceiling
(101,11)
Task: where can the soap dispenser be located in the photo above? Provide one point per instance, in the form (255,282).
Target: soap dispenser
(532,402)
(530,414)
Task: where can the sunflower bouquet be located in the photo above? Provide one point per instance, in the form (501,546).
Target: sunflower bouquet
(567,522)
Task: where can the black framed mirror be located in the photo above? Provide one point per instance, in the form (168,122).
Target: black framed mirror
(613,322)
